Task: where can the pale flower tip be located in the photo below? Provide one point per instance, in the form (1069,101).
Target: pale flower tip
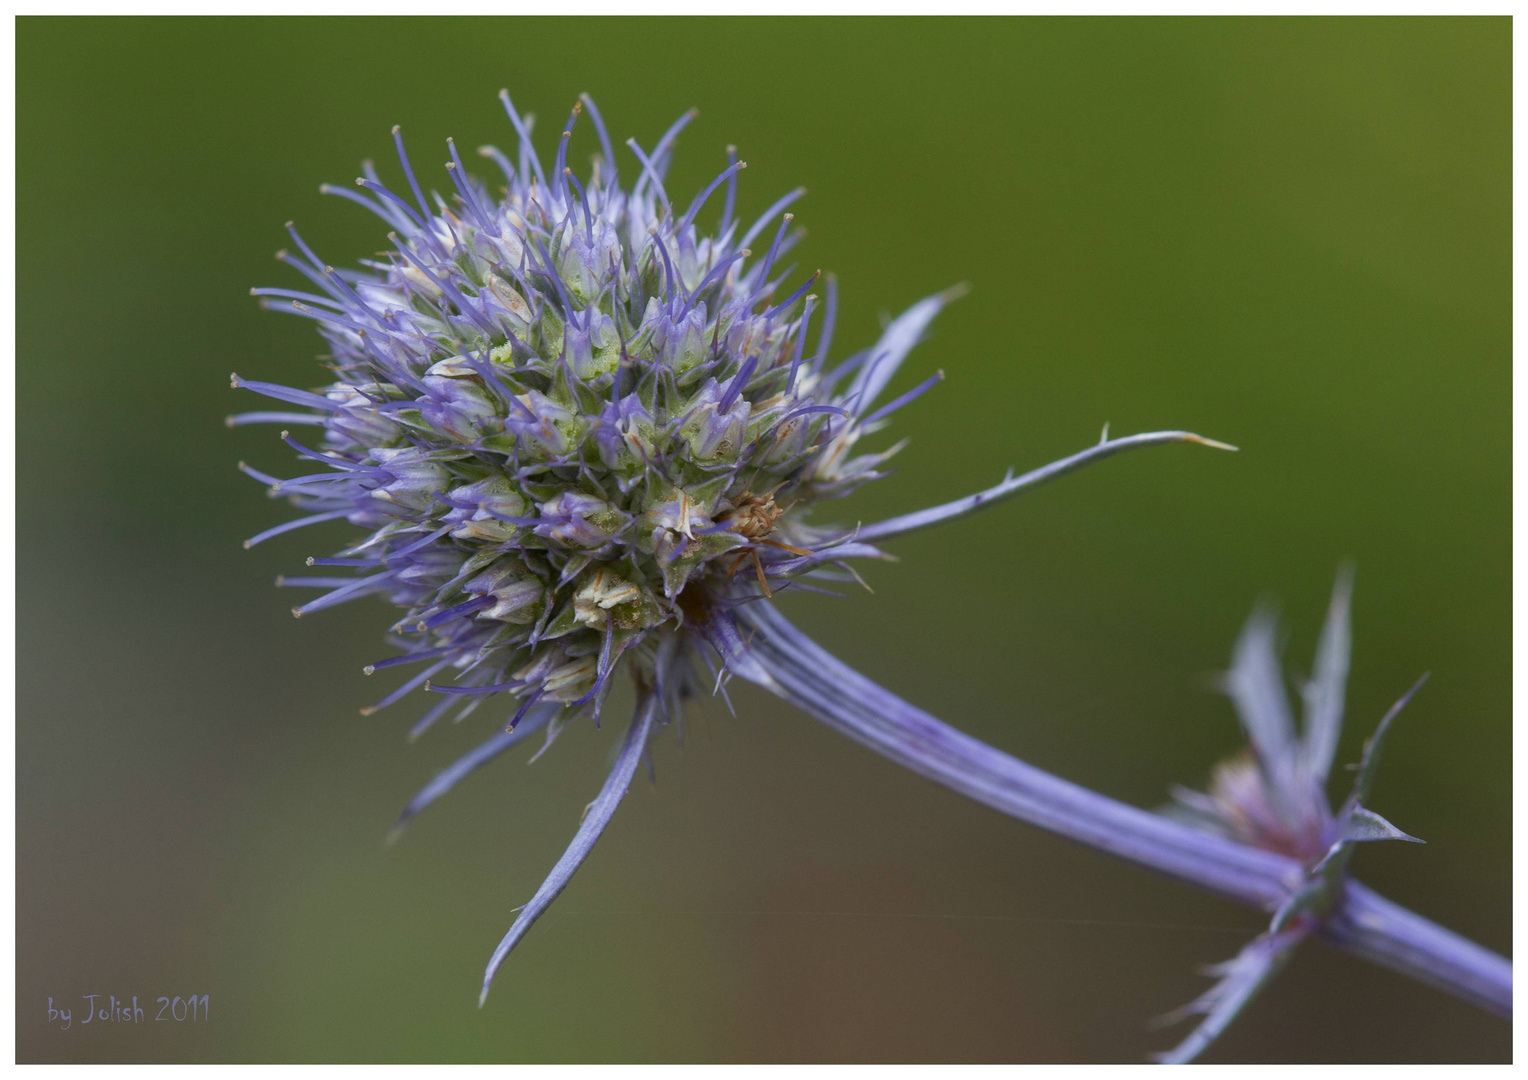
(228,421)
(297,613)
(368,710)
(369,669)
(247,545)
(1215,443)
(234,382)
(954,292)
(280,580)
(310,560)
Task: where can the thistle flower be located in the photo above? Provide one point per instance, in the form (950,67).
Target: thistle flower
(577,434)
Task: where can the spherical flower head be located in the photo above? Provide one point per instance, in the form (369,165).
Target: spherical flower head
(567,417)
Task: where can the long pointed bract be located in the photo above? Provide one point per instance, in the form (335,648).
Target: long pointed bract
(1328,688)
(480,755)
(1012,485)
(1241,978)
(896,342)
(595,819)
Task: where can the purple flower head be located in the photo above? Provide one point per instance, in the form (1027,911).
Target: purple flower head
(583,432)
(580,379)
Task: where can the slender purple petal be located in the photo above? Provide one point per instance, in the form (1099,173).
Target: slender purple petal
(283,393)
(912,395)
(296,523)
(768,215)
(240,419)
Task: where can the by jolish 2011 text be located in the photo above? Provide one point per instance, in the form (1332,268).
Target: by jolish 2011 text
(110,1009)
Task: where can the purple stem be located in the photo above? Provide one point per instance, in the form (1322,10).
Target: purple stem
(1382,931)
(762,647)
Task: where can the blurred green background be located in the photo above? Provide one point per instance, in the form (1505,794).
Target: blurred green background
(1292,235)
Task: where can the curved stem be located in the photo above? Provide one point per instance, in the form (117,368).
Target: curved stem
(778,657)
